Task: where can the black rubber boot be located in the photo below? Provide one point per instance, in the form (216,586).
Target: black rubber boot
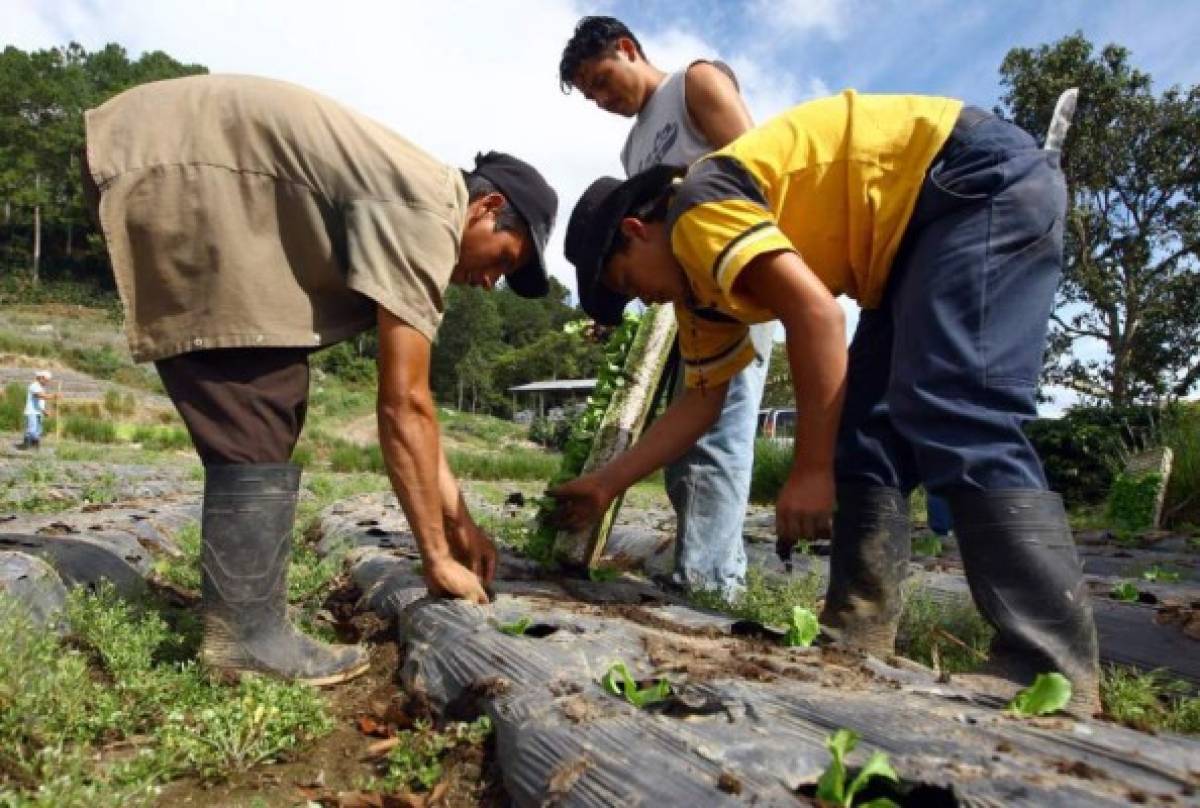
(1026,578)
(247,534)
(872,542)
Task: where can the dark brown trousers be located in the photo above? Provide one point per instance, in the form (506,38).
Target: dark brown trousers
(240,405)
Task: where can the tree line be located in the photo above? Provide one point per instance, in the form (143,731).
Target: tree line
(1126,328)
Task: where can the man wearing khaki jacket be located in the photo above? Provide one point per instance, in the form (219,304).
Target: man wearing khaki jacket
(251,222)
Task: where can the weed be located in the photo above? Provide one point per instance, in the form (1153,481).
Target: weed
(947,636)
(162,437)
(416,760)
(766,599)
(832,788)
(1131,501)
(1048,694)
(618,681)
(603,574)
(1149,701)
(927,545)
(117,404)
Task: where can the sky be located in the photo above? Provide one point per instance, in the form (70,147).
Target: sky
(462,76)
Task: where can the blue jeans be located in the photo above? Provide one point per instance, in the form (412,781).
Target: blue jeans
(33,427)
(944,373)
(710,485)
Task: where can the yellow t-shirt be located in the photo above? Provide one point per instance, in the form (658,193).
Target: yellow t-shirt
(836,180)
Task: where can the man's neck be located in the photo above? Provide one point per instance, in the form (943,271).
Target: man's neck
(654,80)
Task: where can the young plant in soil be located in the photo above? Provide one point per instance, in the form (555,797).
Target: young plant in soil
(1125,591)
(517,628)
(1048,694)
(803,628)
(415,762)
(619,682)
(834,790)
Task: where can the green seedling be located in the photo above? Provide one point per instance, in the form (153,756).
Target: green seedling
(832,789)
(603,574)
(1126,591)
(619,682)
(803,628)
(929,545)
(1048,694)
(517,628)
(1157,574)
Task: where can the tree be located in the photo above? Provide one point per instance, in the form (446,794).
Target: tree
(43,95)
(1132,258)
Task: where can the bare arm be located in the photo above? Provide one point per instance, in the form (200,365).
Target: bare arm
(816,343)
(714,104)
(411,446)
(584,500)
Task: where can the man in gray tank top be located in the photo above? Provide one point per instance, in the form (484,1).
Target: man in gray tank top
(680,117)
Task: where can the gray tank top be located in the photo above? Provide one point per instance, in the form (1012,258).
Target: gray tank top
(664,132)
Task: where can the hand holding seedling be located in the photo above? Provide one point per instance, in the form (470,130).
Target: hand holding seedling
(581,502)
(472,548)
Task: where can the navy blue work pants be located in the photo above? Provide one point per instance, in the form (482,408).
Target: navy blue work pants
(944,373)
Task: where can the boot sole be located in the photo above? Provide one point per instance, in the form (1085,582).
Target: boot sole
(338,678)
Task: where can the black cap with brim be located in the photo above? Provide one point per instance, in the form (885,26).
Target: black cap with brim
(536,203)
(593,228)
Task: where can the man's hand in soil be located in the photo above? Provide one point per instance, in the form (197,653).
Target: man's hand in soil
(446,578)
(804,509)
(581,502)
(472,548)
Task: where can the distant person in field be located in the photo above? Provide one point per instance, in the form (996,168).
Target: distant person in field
(677,119)
(35,409)
(251,222)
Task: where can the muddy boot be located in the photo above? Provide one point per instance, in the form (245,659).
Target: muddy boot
(247,534)
(1026,578)
(871,545)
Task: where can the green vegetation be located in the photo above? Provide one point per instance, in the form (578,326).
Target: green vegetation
(929,544)
(127,674)
(89,430)
(946,636)
(517,628)
(1158,574)
(1048,694)
(1150,701)
(770,600)
(618,681)
(1131,501)
(802,629)
(772,464)
(1126,591)
(416,761)
(832,788)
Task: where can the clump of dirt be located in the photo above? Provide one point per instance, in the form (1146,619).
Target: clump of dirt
(582,710)
(1183,614)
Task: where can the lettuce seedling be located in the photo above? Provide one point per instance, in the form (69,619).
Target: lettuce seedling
(1160,575)
(832,789)
(517,628)
(1049,693)
(619,682)
(1126,591)
(803,628)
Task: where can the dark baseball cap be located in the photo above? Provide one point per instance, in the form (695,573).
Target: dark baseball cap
(536,203)
(593,228)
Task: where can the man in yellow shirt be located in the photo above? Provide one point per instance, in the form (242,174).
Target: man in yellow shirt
(945,224)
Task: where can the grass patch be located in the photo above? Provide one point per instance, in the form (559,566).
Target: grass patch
(945,636)
(415,763)
(161,438)
(767,599)
(772,465)
(511,464)
(1149,701)
(89,430)
(126,674)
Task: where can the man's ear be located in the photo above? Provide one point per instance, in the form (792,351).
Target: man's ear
(481,206)
(625,47)
(633,228)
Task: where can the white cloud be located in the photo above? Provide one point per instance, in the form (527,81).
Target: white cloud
(824,16)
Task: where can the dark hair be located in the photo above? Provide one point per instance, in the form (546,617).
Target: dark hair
(593,37)
(507,218)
